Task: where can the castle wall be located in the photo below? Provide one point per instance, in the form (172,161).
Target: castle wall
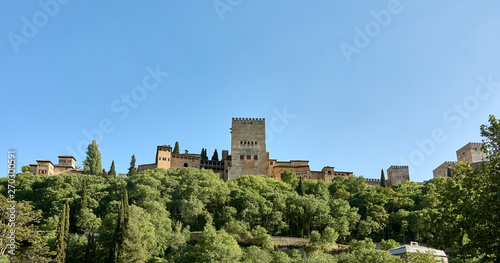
(372,182)
(442,170)
(248,147)
(144,167)
(181,160)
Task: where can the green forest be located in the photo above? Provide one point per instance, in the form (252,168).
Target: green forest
(191,215)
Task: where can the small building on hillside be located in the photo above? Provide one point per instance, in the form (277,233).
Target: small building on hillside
(414,247)
(45,167)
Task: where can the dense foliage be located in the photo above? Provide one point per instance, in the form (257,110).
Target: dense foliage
(191,215)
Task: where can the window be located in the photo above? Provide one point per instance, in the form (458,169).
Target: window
(249,157)
(164,158)
(256,157)
(271,163)
(255,142)
(159,158)
(185,165)
(241,142)
(241,157)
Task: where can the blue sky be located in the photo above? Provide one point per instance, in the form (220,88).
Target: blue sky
(355,85)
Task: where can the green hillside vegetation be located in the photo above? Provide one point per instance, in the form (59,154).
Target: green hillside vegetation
(150,216)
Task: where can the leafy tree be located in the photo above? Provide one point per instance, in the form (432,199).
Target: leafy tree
(83,202)
(176,148)
(132,170)
(254,254)
(261,238)
(383,183)
(420,257)
(217,246)
(288,177)
(92,164)
(367,243)
(87,220)
(112,171)
(215,156)
(388,244)
(76,245)
(25,169)
(30,247)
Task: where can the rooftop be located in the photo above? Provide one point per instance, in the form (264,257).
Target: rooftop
(415,247)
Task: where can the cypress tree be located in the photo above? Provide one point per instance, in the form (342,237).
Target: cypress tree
(112,172)
(383,183)
(204,155)
(62,235)
(90,249)
(83,201)
(66,232)
(132,170)
(120,230)
(92,164)
(176,148)
(104,173)
(215,157)
(300,187)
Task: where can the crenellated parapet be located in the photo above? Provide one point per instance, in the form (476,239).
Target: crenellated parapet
(399,166)
(249,120)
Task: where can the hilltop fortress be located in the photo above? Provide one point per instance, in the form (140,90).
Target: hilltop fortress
(248,156)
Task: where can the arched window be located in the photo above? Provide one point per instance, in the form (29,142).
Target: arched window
(185,165)
(329,173)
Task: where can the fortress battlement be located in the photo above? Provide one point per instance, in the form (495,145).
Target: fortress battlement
(372,180)
(249,120)
(471,144)
(399,166)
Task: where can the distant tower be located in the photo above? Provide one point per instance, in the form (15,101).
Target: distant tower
(397,174)
(472,153)
(248,147)
(67,160)
(163,156)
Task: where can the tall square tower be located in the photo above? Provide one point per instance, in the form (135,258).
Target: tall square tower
(472,153)
(397,174)
(248,147)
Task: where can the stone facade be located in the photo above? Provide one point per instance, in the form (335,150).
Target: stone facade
(397,174)
(66,164)
(442,170)
(472,153)
(248,147)
(372,182)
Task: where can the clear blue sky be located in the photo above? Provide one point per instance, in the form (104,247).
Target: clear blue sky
(362,82)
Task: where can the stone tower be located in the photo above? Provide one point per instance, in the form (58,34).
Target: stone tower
(472,153)
(397,174)
(248,147)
